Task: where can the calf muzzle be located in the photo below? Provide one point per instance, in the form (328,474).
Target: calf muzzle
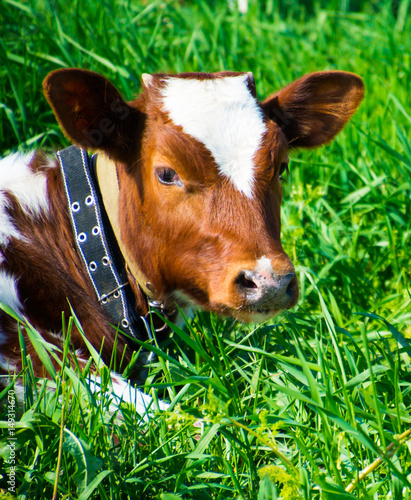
(264,289)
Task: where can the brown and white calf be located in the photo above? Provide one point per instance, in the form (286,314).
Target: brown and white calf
(198,164)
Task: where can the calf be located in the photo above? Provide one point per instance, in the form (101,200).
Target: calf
(187,182)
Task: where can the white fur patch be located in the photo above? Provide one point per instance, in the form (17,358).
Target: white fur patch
(6,365)
(7,229)
(29,188)
(223,115)
(8,292)
(9,297)
(124,392)
(264,262)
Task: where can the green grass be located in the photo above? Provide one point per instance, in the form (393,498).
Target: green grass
(297,407)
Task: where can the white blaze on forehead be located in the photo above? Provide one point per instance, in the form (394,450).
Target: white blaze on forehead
(223,115)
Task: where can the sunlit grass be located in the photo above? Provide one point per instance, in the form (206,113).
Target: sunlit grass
(310,402)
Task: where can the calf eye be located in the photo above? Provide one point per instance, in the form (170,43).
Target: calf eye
(283,168)
(168,176)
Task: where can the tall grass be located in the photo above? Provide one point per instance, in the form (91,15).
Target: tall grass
(298,407)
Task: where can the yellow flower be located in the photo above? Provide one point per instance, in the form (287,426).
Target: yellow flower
(288,485)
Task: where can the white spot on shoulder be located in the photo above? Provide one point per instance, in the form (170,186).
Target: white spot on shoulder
(223,115)
(29,188)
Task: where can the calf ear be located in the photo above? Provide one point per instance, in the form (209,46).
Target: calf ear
(313,109)
(92,112)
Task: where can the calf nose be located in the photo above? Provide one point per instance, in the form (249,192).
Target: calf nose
(262,288)
(253,281)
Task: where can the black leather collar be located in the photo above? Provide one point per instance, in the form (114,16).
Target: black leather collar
(96,244)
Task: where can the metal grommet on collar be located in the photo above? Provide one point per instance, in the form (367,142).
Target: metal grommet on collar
(75,207)
(93,266)
(96,231)
(89,200)
(82,237)
(125,323)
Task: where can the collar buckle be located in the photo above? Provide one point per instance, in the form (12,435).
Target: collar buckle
(156,306)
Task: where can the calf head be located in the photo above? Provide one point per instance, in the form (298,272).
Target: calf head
(200,163)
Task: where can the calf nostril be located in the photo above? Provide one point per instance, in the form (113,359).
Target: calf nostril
(244,280)
(288,277)
(290,288)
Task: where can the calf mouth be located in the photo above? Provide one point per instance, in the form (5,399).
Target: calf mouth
(260,311)
(247,301)
(244,313)
(259,314)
